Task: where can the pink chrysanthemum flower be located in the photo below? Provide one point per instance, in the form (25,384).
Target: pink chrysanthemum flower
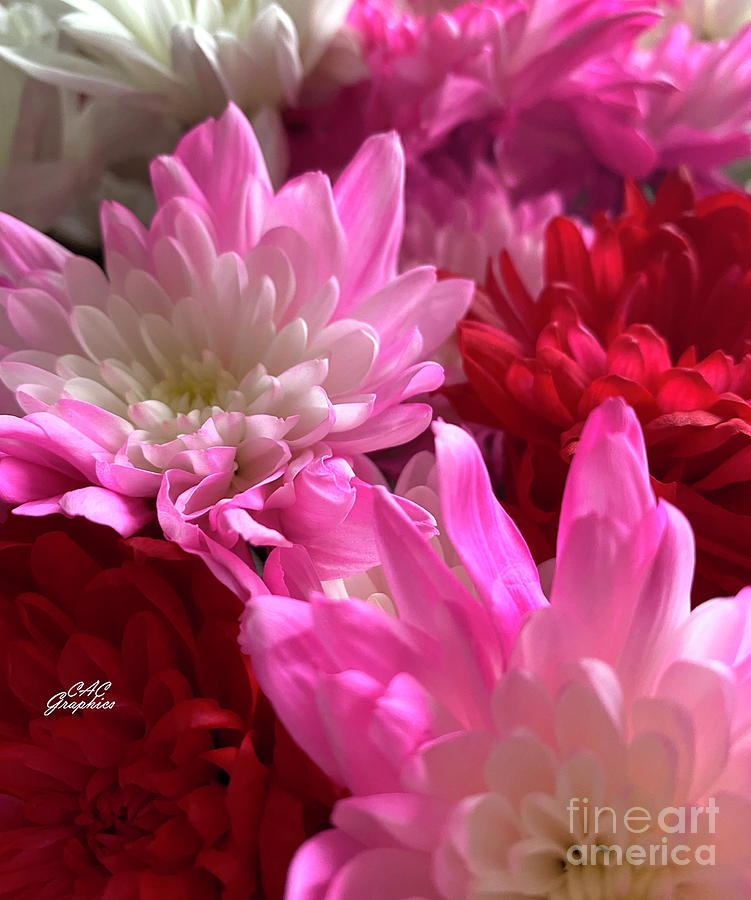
(435,70)
(681,101)
(478,751)
(554,96)
(459,74)
(235,361)
(461,225)
(703,121)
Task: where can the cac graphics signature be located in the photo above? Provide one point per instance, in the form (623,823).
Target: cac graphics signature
(78,696)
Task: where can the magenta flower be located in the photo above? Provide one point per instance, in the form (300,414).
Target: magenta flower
(636,113)
(554,95)
(702,120)
(235,361)
(478,748)
(453,82)
(433,71)
(462,225)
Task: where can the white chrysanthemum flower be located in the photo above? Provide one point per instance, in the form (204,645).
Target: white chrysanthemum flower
(60,154)
(30,124)
(21,24)
(185,57)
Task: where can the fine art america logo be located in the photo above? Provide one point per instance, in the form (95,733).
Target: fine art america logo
(79,696)
(654,838)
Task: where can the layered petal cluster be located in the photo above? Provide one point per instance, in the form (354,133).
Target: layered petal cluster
(177,781)
(233,363)
(456,81)
(474,767)
(461,225)
(435,71)
(458,548)
(679,101)
(187,59)
(563,97)
(656,311)
(703,120)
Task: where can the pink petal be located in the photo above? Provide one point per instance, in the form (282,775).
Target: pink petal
(347,702)
(609,475)
(21,481)
(425,590)
(23,249)
(290,572)
(369,200)
(125,514)
(224,161)
(617,545)
(376,874)
(288,660)
(413,820)
(316,863)
(487,541)
(333,518)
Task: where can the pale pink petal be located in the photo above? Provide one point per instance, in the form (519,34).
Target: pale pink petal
(224,161)
(40,321)
(392,427)
(316,863)
(125,514)
(24,250)
(309,203)
(707,692)
(375,874)
(374,231)
(414,820)
(487,541)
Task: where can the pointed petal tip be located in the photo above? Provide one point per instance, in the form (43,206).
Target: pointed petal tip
(24,249)
(385,142)
(616,411)
(609,473)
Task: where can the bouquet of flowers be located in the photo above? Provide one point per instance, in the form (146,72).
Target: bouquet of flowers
(375,449)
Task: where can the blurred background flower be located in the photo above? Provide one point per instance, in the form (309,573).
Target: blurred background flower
(535,98)
(186,59)
(512,104)
(108,86)
(35,183)
(707,19)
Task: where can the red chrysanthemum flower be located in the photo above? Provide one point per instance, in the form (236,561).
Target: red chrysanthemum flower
(187,788)
(657,310)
